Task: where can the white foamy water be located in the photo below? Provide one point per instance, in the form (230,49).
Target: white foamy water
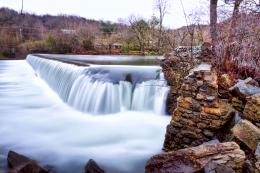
(101,89)
(34,121)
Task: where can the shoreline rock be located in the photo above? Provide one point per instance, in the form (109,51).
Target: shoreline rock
(193,159)
(209,108)
(22,164)
(92,167)
(252,109)
(247,133)
(242,91)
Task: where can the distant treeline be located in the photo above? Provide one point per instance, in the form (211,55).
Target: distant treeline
(25,33)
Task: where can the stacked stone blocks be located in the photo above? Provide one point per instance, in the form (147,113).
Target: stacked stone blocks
(199,113)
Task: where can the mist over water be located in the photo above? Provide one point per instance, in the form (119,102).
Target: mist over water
(36,122)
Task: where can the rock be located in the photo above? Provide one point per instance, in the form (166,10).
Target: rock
(248,167)
(202,67)
(252,109)
(257,156)
(199,82)
(175,68)
(199,113)
(248,133)
(194,159)
(225,134)
(177,64)
(238,103)
(257,165)
(22,164)
(212,167)
(14,159)
(208,133)
(92,167)
(241,91)
(245,88)
(257,151)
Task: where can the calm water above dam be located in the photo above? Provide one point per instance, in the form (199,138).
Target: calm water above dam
(62,115)
(105,59)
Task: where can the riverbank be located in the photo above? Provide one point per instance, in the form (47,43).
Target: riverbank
(215,120)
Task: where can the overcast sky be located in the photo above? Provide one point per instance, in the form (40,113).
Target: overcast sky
(110,9)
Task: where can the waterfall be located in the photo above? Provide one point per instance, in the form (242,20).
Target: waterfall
(59,76)
(100,97)
(150,95)
(101,89)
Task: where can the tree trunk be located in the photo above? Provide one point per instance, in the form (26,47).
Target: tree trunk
(143,48)
(160,32)
(236,9)
(22,8)
(232,32)
(213,24)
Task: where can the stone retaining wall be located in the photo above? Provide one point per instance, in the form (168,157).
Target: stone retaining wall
(199,113)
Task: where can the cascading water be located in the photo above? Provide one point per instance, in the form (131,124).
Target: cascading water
(104,89)
(59,76)
(150,95)
(35,122)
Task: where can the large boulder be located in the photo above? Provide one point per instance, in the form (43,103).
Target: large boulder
(248,167)
(92,167)
(252,109)
(257,155)
(238,103)
(212,167)
(241,91)
(248,133)
(22,164)
(244,88)
(14,159)
(257,151)
(194,159)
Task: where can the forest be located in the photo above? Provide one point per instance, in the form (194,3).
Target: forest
(28,33)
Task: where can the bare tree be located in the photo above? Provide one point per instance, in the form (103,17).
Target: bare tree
(236,8)
(171,39)
(161,6)
(234,18)
(126,34)
(190,28)
(238,40)
(22,8)
(213,24)
(141,29)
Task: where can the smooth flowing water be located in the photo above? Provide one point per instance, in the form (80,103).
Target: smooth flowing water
(105,59)
(39,118)
(103,89)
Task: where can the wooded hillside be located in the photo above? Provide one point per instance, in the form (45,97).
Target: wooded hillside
(29,33)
